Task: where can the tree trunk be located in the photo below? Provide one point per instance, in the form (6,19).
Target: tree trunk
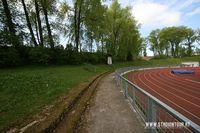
(102,45)
(176,49)
(48,28)
(29,24)
(79,23)
(39,23)
(189,47)
(172,49)
(37,32)
(167,51)
(75,26)
(14,38)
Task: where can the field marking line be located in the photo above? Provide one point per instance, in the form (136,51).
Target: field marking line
(171,92)
(193,81)
(169,100)
(163,82)
(182,81)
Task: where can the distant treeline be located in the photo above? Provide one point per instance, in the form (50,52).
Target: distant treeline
(173,42)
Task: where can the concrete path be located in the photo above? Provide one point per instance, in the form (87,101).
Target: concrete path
(110,112)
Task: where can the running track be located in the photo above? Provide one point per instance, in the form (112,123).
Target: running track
(181,92)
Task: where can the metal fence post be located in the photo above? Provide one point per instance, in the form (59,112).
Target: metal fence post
(118,79)
(134,98)
(121,83)
(126,89)
(151,114)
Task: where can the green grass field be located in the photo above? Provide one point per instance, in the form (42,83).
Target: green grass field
(25,90)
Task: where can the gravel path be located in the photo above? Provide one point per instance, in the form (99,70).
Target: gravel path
(110,112)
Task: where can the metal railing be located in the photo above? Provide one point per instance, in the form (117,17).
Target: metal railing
(157,116)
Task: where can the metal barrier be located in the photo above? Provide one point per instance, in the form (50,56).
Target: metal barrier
(157,116)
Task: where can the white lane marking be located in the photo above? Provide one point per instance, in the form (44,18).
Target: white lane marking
(169,100)
(192,81)
(169,91)
(182,92)
(181,82)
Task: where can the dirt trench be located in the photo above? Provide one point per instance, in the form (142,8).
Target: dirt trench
(64,115)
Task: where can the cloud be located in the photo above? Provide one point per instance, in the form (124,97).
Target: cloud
(186,4)
(150,13)
(194,12)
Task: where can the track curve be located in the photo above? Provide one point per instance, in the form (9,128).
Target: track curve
(181,92)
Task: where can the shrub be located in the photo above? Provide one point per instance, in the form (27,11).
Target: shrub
(40,55)
(160,57)
(9,56)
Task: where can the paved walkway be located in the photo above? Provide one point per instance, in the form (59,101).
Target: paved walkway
(111,113)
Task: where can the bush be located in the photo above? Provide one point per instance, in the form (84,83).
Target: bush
(9,56)
(93,58)
(23,55)
(40,55)
(160,57)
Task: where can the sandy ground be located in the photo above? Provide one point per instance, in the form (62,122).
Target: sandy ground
(110,112)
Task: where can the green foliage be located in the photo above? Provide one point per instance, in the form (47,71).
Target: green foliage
(160,57)
(123,39)
(9,57)
(40,55)
(172,41)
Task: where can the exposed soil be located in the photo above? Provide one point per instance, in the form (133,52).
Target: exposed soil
(64,115)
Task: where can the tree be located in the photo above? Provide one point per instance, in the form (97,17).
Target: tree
(93,21)
(122,36)
(39,23)
(154,39)
(29,23)
(11,26)
(47,7)
(77,21)
(198,36)
(145,42)
(189,39)
(174,36)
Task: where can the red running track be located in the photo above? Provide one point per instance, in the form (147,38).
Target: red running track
(181,92)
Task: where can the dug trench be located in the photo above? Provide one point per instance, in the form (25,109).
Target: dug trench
(65,115)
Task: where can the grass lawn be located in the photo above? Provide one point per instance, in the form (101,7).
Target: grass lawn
(25,90)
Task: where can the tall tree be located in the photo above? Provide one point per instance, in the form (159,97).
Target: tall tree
(145,42)
(29,23)
(154,39)
(94,19)
(39,23)
(174,36)
(9,23)
(78,5)
(122,36)
(115,22)
(189,39)
(46,8)
(198,36)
